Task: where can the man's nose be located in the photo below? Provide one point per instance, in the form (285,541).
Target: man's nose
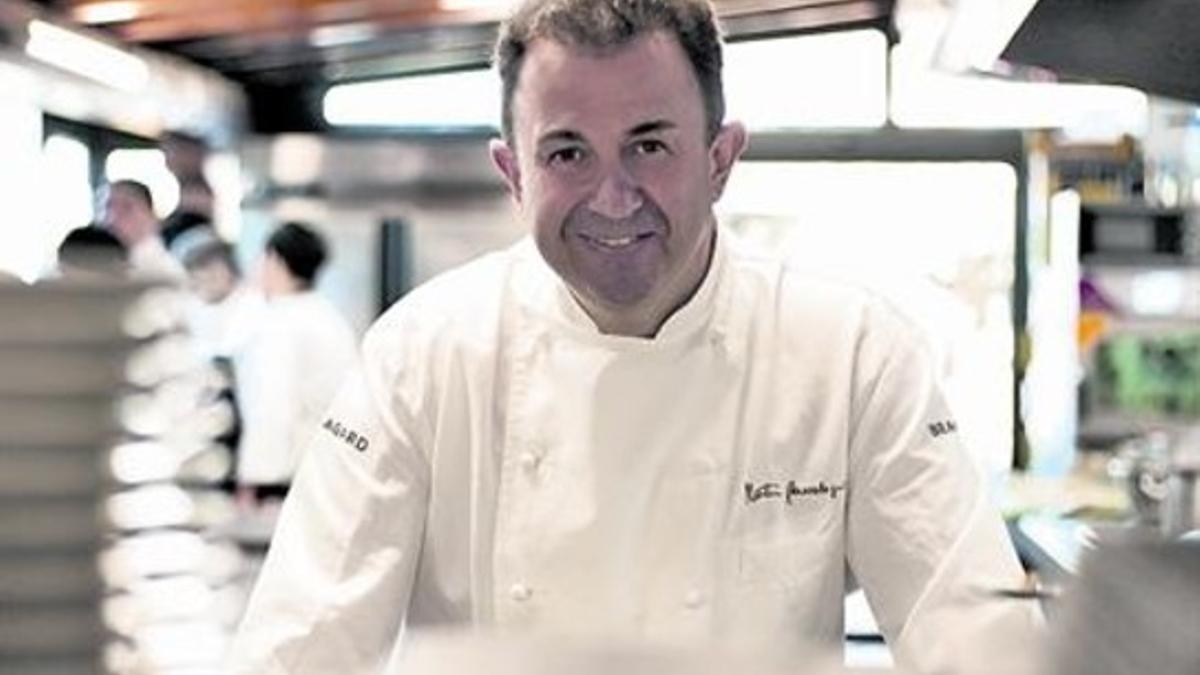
(617,194)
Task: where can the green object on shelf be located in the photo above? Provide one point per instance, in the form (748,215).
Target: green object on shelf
(1157,374)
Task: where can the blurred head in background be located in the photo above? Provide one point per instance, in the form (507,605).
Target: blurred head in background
(88,252)
(128,212)
(185,155)
(194,212)
(294,256)
(213,270)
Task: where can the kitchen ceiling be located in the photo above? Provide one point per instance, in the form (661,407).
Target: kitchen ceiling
(285,53)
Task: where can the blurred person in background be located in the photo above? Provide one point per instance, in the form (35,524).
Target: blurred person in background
(194,213)
(294,365)
(229,312)
(128,213)
(91,252)
(225,320)
(185,155)
(628,426)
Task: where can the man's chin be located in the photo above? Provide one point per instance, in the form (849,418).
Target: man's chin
(619,298)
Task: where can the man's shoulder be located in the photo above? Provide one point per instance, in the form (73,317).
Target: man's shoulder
(807,298)
(459,300)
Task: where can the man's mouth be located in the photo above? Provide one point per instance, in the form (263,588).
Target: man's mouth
(615,243)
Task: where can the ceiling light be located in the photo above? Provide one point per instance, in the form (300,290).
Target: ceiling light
(835,80)
(473,5)
(460,99)
(979,31)
(107,12)
(337,35)
(85,56)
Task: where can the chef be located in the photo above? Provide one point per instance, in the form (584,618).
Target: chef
(629,426)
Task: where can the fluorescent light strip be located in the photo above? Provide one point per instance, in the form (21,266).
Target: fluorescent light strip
(833,80)
(86,57)
(838,80)
(337,35)
(446,100)
(107,12)
(474,5)
(979,31)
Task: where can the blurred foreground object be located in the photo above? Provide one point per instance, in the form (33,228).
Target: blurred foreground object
(1134,608)
(105,459)
(501,653)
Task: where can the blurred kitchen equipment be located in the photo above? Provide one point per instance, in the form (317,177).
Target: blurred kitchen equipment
(105,561)
(1134,608)
(1179,507)
(446,652)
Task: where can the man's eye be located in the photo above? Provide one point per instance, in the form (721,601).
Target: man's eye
(565,156)
(650,146)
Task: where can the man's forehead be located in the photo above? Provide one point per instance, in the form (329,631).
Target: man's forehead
(562,84)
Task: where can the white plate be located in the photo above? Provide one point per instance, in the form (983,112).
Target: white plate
(59,629)
(53,472)
(49,577)
(84,421)
(50,524)
(85,313)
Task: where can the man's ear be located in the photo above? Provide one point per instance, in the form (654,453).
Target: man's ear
(505,159)
(724,152)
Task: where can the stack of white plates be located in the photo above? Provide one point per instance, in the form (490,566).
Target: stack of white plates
(104,412)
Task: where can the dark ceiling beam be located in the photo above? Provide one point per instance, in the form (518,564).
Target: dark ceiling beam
(811,17)
(272,20)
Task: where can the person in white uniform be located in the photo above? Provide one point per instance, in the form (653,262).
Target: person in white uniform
(288,373)
(129,215)
(229,311)
(630,427)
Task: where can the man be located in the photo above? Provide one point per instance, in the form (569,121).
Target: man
(631,428)
(129,214)
(293,366)
(194,213)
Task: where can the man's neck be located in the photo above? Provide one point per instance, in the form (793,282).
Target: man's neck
(646,322)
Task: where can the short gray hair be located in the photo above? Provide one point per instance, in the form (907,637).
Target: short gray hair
(605,24)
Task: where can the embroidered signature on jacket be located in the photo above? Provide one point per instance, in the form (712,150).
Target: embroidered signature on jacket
(790,491)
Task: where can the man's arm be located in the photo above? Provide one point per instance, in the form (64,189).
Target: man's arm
(922,537)
(336,584)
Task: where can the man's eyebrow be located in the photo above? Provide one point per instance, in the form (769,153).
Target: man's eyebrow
(559,135)
(651,127)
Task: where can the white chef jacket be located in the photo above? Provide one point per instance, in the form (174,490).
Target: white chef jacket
(149,259)
(498,462)
(286,376)
(227,328)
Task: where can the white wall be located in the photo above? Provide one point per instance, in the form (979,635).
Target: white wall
(445,190)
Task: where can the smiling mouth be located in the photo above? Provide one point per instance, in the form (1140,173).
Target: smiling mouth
(615,243)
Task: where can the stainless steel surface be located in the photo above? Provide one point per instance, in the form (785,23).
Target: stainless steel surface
(1180,505)
(1134,608)
(101,550)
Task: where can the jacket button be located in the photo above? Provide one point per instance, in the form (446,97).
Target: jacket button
(520,592)
(694,599)
(530,461)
